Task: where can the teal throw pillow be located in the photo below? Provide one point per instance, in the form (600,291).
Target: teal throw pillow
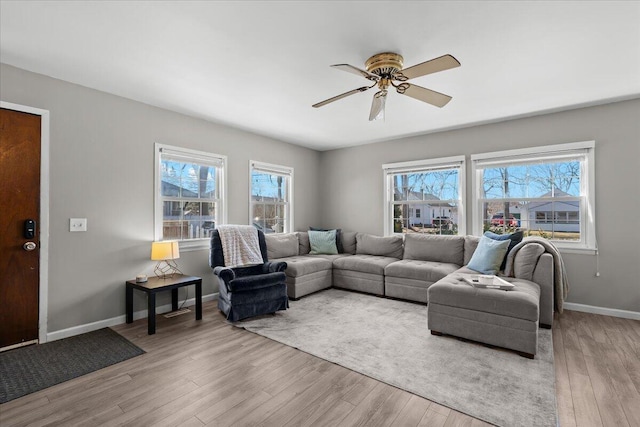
(338,236)
(488,255)
(322,242)
(514,238)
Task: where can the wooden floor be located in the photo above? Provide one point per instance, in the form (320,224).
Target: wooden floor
(211,373)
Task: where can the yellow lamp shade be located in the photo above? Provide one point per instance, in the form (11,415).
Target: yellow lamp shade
(165,250)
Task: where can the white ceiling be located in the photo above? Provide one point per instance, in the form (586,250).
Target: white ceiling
(260,66)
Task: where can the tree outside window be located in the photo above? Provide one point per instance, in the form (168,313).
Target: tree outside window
(189,202)
(425,196)
(271,197)
(545,193)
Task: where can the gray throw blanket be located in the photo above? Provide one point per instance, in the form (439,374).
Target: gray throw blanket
(561,282)
(240,245)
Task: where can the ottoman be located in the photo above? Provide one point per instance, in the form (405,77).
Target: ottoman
(506,319)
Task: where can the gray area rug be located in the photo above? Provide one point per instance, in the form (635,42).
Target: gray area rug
(388,340)
(29,369)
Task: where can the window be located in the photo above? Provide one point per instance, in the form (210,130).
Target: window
(549,217)
(425,196)
(190,196)
(545,191)
(271,197)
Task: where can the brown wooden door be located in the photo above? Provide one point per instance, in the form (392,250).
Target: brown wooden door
(19,201)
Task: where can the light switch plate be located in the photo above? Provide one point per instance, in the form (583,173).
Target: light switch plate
(77,224)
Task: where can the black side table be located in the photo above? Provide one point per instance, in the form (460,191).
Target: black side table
(155,285)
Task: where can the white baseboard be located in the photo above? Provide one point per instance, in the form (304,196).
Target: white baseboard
(94,326)
(625,314)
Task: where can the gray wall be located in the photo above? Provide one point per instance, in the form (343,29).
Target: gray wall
(102,151)
(102,169)
(352,187)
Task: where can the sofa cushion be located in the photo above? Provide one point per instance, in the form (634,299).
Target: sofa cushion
(368,244)
(364,263)
(526,260)
(488,256)
(470,245)
(303,242)
(305,264)
(466,270)
(349,242)
(322,242)
(330,257)
(522,302)
(281,245)
(514,238)
(427,247)
(428,271)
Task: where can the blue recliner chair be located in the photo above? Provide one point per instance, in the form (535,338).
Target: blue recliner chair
(248,291)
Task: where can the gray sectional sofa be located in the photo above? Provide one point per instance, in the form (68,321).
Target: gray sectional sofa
(403,268)
(428,269)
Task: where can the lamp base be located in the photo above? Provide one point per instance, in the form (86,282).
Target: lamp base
(166,269)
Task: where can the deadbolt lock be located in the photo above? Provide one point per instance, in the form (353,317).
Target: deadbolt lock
(29,246)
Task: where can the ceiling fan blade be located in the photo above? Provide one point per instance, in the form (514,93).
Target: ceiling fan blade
(343,95)
(442,63)
(377,106)
(423,94)
(355,70)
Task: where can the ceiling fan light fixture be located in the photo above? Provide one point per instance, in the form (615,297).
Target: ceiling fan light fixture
(384,64)
(378,106)
(385,69)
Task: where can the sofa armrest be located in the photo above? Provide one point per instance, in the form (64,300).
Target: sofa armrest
(275,267)
(225,273)
(543,276)
(251,283)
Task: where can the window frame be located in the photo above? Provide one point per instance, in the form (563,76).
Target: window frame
(221,187)
(418,166)
(270,168)
(584,149)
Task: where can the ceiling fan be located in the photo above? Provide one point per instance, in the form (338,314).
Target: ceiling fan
(385,69)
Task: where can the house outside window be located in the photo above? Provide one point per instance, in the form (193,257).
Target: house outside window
(544,191)
(425,196)
(189,195)
(271,194)
(559,217)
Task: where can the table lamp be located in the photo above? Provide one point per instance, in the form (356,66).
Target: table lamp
(165,253)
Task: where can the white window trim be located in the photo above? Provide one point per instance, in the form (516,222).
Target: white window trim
(276,170)
(588,229)
(389,169)
(194,244)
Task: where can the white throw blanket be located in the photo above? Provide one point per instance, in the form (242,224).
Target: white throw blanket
(561,282)
(240,245)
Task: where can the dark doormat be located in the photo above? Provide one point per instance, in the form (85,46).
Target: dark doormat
(29,369)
